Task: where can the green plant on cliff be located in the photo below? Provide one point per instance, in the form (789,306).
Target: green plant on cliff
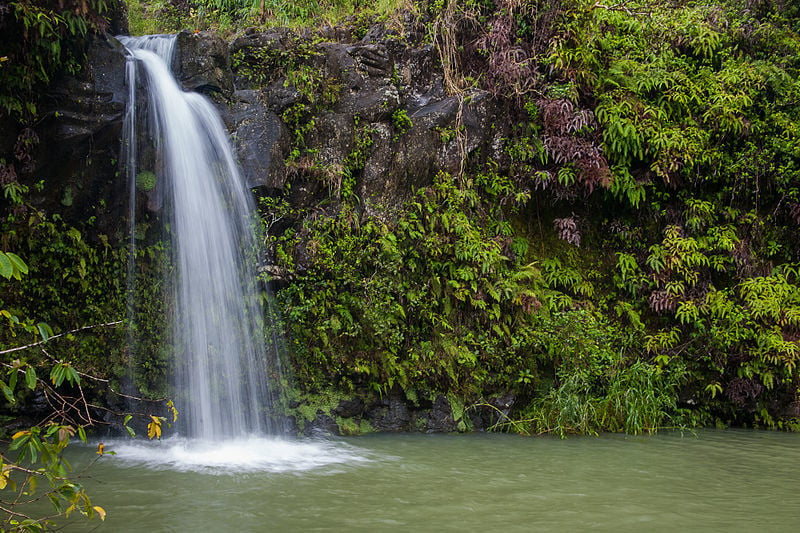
(650,182)
(40,40)
(229,16)
(32,466)
(691,102)
(432,298)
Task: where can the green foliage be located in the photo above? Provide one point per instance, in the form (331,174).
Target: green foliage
(596,384)
(401,123)
(679,88)
(39,457)
(227,16)
(42,39)
(71,283)
(12,265)
(684,264)
(150,17)
(35,455)
(145,181)
(433,298)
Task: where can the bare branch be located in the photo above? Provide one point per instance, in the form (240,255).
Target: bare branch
(19,348)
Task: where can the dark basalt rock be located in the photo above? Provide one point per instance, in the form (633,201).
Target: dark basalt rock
(440,416)
(350,408)
(392,414)
(202,63)
(395,412)
(372,79)
(322,426)
(79,140)
(260,138)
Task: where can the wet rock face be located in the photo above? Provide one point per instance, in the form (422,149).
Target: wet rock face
(376,109)
(380,98)
(261,140)
(202,63)
(383,89)
(77,152)
(395,412)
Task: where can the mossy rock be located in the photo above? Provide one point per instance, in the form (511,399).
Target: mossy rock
(145,181)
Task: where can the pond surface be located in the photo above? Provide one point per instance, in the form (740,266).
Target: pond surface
(702,481)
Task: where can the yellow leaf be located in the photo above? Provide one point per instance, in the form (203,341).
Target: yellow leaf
(173,409)
(5,477)
(19,434)
(154,428)
(100,511)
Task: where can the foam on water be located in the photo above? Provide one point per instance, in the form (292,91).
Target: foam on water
(246,455)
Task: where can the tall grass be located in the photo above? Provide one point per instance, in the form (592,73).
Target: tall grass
(638,398)
(231,16)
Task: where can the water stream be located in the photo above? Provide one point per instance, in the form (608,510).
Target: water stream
(724,481)
(221,380)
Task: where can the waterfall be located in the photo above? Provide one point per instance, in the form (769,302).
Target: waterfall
(220,352)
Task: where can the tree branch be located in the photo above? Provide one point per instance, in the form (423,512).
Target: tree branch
(19,348)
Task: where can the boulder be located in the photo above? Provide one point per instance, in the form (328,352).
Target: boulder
(202,63)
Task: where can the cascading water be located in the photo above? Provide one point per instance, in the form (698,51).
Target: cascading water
(221,377)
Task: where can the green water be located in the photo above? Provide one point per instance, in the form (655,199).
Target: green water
(707,481)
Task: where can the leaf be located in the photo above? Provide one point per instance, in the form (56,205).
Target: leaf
(56,502)
(72,375)
(45,331)
(82,434)
(19,434)
(7,392)
(154,428)
(127,427)
(100,512)
(17,262)
(57,374)
(30,377)
(6,268)
(173,410)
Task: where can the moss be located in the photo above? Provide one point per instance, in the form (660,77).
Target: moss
(353,426)
(66,198)
(145,181)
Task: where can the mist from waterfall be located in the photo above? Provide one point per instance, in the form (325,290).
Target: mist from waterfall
(221,379)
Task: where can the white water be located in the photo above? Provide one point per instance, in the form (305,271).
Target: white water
(247,455)
(221,378)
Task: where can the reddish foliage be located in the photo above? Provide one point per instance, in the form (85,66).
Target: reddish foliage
(662,301)
(568,230)
(741,391)
(566,140)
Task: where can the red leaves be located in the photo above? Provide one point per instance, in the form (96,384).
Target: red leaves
(566,140)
